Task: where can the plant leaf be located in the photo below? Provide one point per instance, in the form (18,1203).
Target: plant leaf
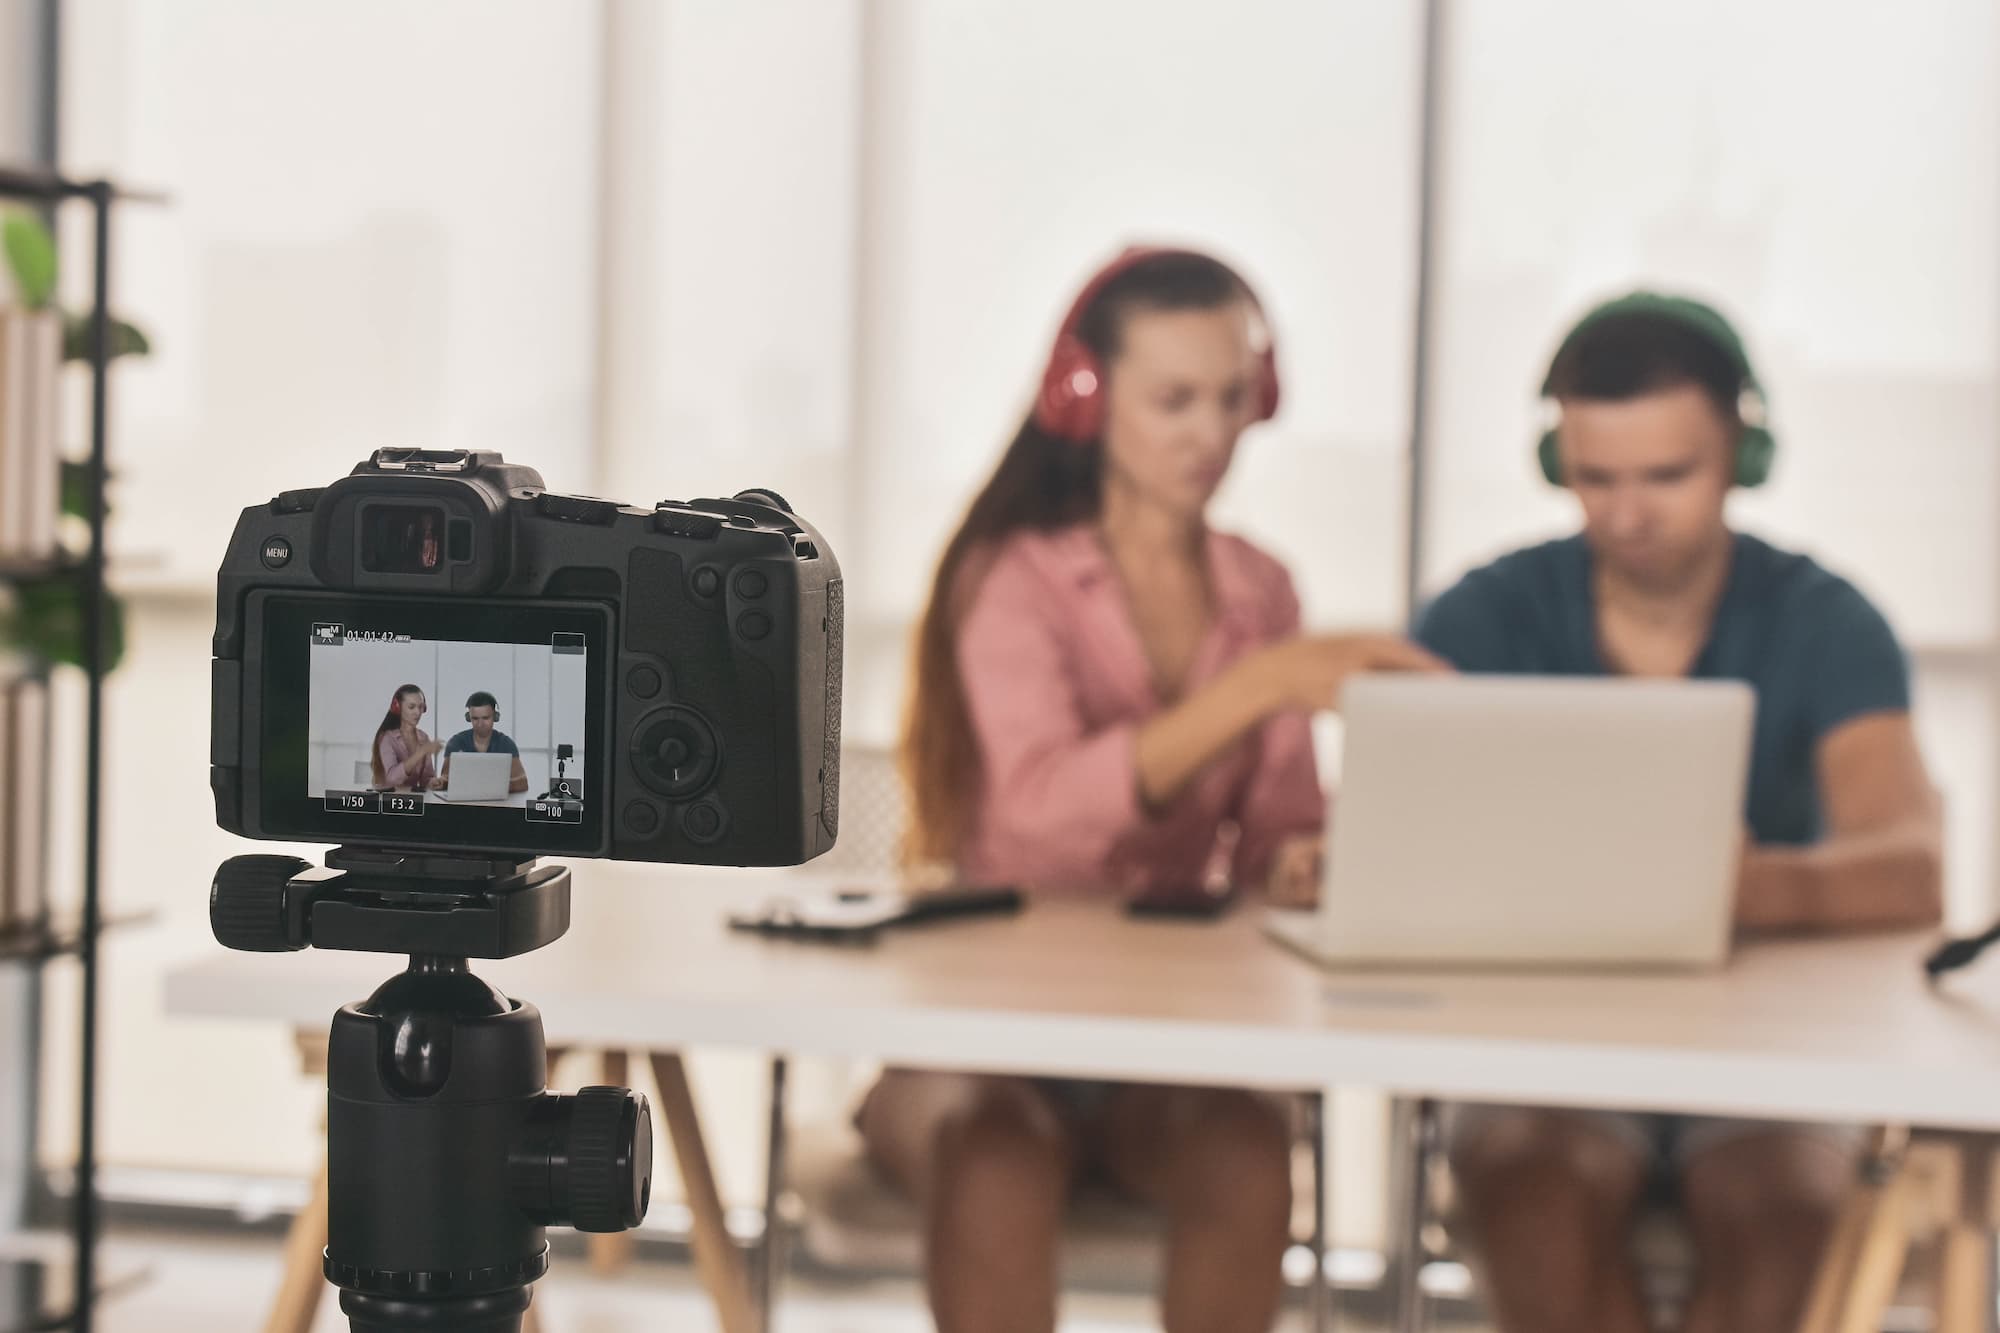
(31,255)
(126,339)
(48,621)
(76,489)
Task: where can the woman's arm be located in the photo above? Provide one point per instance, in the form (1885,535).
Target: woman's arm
(1302,674)
(1064,792)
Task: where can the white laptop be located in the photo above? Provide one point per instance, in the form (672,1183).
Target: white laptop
(477,777)
(1532,821)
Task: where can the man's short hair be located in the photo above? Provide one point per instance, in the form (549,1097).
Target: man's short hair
(1632,354)
(481,699)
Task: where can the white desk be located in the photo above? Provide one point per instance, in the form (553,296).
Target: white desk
(517,800)
(1841,1029)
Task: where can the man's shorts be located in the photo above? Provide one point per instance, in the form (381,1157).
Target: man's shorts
(1666,1143)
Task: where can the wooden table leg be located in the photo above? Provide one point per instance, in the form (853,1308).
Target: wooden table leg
(1835,1275)
(304,1279)
(1965,1281)
(1884,1250)
(1965,1295)
(716,1257)
(611,1252)
(1836,1264)
(302,1282)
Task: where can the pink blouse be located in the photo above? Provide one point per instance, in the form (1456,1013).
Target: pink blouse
(396,769)
(1058,685)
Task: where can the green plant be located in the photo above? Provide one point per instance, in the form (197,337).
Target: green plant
(47,620)
(31,258)
(47,615)
(31,255)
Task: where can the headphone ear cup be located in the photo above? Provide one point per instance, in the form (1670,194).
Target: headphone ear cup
(1070,405)
(1756,449)
(1548,456)
(1267,384)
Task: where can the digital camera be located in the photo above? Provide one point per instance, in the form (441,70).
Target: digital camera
(437,652)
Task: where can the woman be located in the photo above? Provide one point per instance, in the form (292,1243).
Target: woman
(402,752)
(1109,695)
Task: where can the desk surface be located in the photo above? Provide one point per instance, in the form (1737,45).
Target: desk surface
(517,800)
(1839,1029)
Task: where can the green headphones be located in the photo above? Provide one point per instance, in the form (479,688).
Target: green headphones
(1755,446)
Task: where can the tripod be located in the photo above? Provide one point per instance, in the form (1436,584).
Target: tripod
(447,1157)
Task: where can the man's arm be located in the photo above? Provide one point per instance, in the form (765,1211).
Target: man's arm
(1881,864)
(519,780)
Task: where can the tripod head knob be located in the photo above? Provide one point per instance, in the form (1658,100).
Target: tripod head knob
(586,1161)
(611,1159)
(246,902)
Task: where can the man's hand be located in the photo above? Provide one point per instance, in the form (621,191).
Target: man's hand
(1295,872)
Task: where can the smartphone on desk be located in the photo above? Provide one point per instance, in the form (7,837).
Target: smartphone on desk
(1181,902)
(856,915)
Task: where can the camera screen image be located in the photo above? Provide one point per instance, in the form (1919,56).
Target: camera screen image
(417,722)
(446,722)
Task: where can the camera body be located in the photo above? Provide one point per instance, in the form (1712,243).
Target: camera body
(668,679)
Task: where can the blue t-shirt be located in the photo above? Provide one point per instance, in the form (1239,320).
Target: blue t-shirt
(499,743)
(1816,651)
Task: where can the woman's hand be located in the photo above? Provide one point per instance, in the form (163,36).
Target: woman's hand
(1306,673)
(1295,872)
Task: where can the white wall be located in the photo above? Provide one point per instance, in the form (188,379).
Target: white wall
(383,232)
(1016,147)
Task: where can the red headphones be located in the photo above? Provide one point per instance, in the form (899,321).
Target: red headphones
(1070,405)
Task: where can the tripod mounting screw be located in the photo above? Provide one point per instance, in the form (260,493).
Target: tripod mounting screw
(246,903)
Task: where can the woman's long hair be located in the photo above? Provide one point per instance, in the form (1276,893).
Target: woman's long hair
(1042,483)
(391,721)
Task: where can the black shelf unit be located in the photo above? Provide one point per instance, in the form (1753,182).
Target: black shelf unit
(52,191)
(57,939)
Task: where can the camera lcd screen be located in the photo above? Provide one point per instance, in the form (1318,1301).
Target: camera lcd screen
(476,725)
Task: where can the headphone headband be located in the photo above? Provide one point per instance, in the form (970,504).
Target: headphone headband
(1697,317)
(1756,447)
(1070,404)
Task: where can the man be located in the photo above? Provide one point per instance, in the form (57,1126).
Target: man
(482,711)
(1660,415)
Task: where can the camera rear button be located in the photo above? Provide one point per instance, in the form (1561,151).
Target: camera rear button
(643,682)
(277,553)
(642,819)
(753,625)
(703,822)
(707,582)
(751,584)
